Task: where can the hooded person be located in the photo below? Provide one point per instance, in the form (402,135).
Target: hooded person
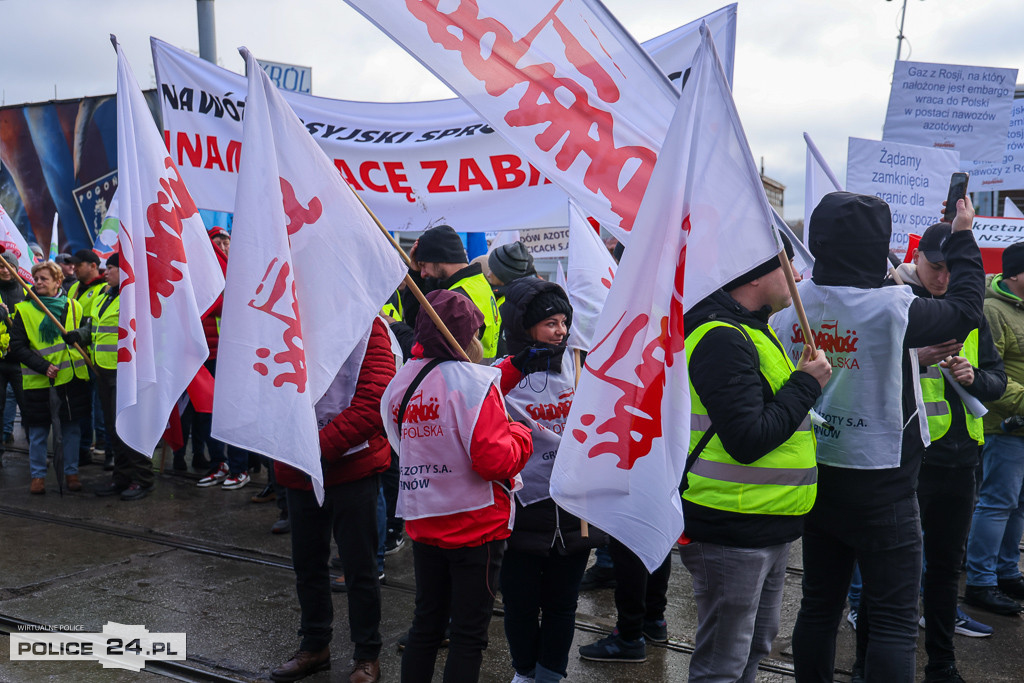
(459,452)
(438,261)
(547,553)
(868,458)
(946,483)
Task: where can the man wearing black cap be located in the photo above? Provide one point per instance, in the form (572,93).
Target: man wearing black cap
(946,487)
(133,471)
(750,475)
(67,266)
(869,456)
(439,262)
(994,579)
(87,269)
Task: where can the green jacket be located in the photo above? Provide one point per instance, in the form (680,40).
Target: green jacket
(1005,314)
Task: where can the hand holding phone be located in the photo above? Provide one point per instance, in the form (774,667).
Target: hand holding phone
(957,191)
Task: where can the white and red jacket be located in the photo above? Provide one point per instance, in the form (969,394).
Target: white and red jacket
(457,451)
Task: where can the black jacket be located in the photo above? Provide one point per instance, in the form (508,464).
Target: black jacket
(11,293)
(849,238)
(956,448)
(747,416)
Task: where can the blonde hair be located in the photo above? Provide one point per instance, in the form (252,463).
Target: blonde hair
(475,351)
(51,267)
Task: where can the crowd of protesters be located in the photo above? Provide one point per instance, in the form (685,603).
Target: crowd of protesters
(444,440)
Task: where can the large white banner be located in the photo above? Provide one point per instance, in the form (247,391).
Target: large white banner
(1008,173)
(415,163)
(913,180)
(951,106)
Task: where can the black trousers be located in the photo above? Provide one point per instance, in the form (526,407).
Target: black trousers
(540,593)
(946,497)
(349,514)
(10,373)
(639,595)
(129,465)
(455,584)
(389,484)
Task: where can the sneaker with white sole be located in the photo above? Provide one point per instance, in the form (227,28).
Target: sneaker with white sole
(965,626)
(520,678)
(851,617)
(214,476)
(236,481)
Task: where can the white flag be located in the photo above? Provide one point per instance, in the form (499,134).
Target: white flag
(54,249)
(14,242)
(591,271)
(1010,209)
(819,180)
(169,273)
(308,272)
(561,281)
(561,80)
(620,463)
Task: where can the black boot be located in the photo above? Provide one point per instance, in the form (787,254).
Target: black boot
(179,461)
(84,457)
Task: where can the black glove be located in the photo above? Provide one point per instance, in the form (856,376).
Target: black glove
(533,359)
(1012,423)
(72,337)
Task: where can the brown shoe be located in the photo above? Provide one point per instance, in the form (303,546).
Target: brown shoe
(304,663)
(365,671)
(38,485)
(74,483)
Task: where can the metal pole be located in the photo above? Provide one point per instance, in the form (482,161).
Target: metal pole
(207,31)
(899,38)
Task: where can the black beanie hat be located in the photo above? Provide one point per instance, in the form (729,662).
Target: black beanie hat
(114,260)
(510,262)
(1013,259)
(441,244)
(545,305)
(763,269)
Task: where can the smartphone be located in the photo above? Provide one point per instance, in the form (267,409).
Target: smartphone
(957,191)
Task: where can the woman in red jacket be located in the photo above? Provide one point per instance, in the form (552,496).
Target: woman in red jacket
(458,452)
(353,452)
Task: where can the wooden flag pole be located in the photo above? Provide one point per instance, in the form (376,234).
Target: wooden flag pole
(28,290)
(787,267)
(584,525)
(416,291)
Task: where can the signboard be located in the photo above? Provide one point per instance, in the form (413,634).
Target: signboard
(289,76)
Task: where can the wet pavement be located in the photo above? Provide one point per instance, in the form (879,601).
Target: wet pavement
(203,562)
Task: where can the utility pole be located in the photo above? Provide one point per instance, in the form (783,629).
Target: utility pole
(207,31)
(899,38)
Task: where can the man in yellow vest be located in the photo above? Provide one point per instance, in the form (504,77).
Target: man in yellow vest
(439,262)
(133,472)
(751,474)
(946,488)
(89,283)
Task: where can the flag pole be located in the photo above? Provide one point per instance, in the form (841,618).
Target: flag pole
(798,305)
(584,525)
(51,316)
(416,291)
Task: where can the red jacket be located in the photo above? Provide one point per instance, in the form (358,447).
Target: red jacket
(360,422)
(211,318)
(499,451)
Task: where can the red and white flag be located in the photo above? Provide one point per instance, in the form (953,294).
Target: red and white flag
(309,270)
(14,242)
(169,273)
(591,271)
(561,80)
(624,447)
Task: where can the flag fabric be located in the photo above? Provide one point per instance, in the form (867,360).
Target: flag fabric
(13,241)
(561,80)
(309,270)
(591,271)
(803,262)
(1010,209)
(53,240)
(170,275)
(819,180)
(625,442)
(502,238)
(106,236)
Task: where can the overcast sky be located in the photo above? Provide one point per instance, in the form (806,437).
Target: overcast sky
(820,66)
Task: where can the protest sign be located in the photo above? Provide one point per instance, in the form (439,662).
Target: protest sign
(546,243)
(1008,173)
(950,106)
(913,180)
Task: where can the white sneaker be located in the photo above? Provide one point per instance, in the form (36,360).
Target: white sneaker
(214,477)
(235,482)
(520,678)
